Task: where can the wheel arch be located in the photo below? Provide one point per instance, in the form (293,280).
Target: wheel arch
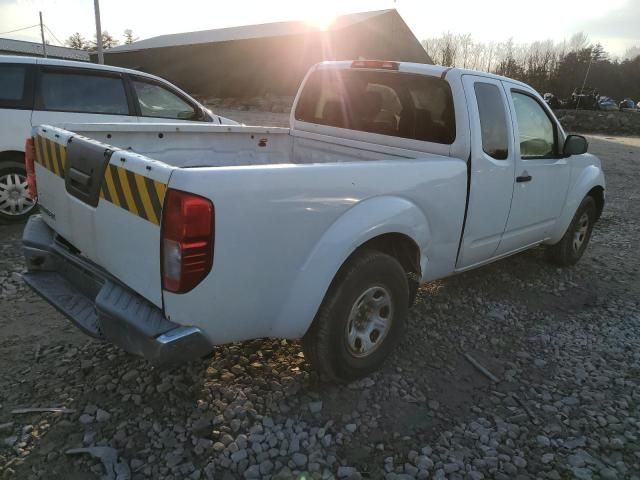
(590,182)
(392,225)
(597,193)
(12,156)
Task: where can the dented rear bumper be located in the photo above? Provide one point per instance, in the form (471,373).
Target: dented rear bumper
(100,305)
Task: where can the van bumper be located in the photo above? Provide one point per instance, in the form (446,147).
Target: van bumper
(101,306)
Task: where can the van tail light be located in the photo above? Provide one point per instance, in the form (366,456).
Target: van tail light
(29,159)
(187,233)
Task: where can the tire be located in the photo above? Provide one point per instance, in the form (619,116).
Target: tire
(361,319)
(575,240)
(15,206)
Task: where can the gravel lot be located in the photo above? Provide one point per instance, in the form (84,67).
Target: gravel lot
(565,345)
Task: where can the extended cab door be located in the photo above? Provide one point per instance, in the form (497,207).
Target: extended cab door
(81,95)
(492,170)
(542,174)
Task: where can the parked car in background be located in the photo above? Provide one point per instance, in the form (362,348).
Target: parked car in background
(551,100)
(584,98)
(36,90)
(607,104)
(627,104)
(391,174)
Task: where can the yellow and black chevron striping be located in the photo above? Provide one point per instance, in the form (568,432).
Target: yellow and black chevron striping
(135,193)
(139,195)
(51,155)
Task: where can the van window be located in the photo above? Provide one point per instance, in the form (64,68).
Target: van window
(15,86)
(157,101)
(84,93)
(403,105)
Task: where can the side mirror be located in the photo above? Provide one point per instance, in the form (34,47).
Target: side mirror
(575,145)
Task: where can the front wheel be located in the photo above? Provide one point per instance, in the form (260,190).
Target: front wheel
(574,242)
(361,319)
(15,204)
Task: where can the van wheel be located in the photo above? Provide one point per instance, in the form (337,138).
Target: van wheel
(574,242)
(15,204)
(361,319)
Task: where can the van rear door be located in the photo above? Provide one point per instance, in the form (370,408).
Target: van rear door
(106,203)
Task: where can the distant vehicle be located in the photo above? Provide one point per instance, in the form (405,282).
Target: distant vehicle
(585,98)
(391,174)
(607,104)
(627,104)
(551,100)
(39,90)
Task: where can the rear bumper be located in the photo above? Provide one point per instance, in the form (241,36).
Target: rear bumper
(100,305)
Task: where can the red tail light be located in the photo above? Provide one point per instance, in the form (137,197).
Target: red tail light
(376,64)
(29,158)
(188,230)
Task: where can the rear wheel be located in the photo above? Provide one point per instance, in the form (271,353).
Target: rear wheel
(361,319)
(15,204)
(575,240)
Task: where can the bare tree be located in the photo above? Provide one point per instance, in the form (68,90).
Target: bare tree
(578,41)
(128,37)
(108,41)
(76,41)
(632,53)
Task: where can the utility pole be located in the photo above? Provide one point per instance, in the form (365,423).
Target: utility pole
(96,4)
(44,45)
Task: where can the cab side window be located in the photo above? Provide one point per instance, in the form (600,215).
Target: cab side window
(493,121)
(535,128)
(157,101)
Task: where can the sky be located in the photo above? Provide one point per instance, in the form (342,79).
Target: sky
(614,23)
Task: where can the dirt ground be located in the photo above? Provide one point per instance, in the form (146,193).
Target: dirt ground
(565,345)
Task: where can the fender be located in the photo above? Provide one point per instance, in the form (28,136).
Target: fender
(588,177)
(363,222)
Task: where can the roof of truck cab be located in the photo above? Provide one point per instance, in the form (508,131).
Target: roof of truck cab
(426,69)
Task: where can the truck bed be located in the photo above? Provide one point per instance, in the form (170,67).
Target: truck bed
(218,146)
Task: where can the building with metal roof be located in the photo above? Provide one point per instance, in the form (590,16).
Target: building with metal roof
(272,58)
(9,46)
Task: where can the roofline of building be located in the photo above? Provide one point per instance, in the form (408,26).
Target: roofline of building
(133,48)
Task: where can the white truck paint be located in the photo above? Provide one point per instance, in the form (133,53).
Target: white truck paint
(293,205)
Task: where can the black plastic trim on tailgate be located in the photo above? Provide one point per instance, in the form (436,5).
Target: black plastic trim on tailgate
(86,164)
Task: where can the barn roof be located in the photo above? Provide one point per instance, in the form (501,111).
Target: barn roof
(244,32)
(35,49)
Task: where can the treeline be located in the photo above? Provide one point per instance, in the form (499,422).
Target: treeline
(108,41)
(555,67)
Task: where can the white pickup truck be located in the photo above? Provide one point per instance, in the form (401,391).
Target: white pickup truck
(169,239)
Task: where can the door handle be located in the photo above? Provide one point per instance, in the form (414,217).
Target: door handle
(523,178)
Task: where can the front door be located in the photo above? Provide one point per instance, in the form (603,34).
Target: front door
(492,170)
(542,174)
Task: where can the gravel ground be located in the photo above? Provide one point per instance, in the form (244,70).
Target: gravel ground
(564,344)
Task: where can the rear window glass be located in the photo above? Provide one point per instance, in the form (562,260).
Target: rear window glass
(14,86)
(75,92)
(388,103)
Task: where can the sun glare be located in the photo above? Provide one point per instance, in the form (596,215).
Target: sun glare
(322,22)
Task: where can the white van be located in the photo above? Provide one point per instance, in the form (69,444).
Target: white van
(34,91)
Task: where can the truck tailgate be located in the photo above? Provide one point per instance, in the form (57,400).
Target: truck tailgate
(106,203)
